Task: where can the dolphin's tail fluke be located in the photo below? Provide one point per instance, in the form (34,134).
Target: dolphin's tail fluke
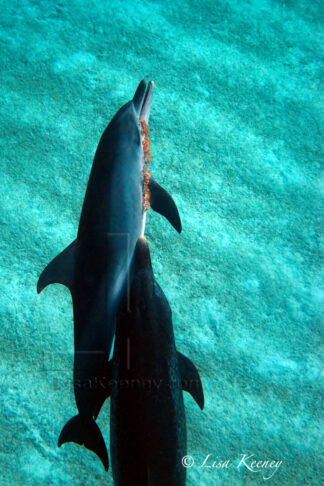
(84,431)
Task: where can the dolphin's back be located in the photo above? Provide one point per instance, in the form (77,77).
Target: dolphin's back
(147,410)
(116,177)
(147,413)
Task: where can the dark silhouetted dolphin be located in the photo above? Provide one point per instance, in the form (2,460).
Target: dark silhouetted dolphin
(95,266)
(147,418)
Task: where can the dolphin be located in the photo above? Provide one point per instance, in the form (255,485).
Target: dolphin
(148,375)
(96,266)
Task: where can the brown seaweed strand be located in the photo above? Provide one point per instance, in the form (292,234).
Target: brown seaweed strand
(147,161)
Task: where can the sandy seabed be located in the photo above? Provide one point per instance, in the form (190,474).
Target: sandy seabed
(235,138)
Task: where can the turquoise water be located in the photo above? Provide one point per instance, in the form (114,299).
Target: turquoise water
(235,132)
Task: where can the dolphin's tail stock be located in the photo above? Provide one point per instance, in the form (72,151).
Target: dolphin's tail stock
(84,431)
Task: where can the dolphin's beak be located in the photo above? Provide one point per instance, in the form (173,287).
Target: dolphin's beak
(142,100)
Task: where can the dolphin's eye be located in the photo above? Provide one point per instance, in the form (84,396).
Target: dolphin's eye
(147,160)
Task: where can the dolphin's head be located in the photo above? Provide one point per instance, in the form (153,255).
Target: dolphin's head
(127,134)
(138,109)
(140,106)
(142,100)
(146,292)
(142,257)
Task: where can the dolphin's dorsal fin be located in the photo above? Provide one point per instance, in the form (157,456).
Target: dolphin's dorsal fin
(60,269)
(190,378)
(162,202)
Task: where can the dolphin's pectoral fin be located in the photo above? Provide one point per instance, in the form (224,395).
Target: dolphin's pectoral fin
(85,431)
(103,390)
(162,202)
(190,378)
(60,269)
